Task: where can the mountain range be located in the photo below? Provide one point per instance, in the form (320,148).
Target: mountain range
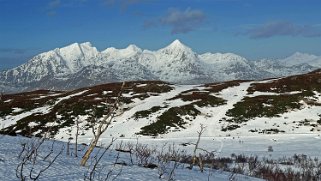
(79,65)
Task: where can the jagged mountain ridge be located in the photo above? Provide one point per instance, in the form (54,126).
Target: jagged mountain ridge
(79,65)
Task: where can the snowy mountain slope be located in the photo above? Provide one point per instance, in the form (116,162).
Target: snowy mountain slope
(275,68)
(115,54)
(65,68)
(229,66)
(299,58)
(55,64)
(175,63)
(222,58)
(315,62)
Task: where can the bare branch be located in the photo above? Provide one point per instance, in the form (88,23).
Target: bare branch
(29,159)
(91,175)
(46,168)
(194,158)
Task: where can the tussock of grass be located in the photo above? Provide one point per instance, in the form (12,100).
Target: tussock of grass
(230,127)
(147,113)
(319,121)
(272,131)
(217,87)
(201,99)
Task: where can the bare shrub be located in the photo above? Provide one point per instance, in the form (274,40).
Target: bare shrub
(144,155)
(195,158)
(33,162)
(96,170)
(170,161)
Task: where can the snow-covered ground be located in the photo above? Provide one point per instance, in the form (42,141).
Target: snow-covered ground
(67,167)
(295,140)
(12,119)
(282,144)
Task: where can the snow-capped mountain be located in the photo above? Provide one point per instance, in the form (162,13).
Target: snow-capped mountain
(277,68)
(79,65)
(298,58)
(296,63)
(56,63)
(175,63)
(229,66)
(116,54)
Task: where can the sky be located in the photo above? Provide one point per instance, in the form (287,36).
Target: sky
(254,29)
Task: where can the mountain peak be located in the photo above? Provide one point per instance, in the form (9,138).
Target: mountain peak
(298,58)
(175,47)
(133,48)
(300,55)
(70,46)
(176,44)
(177,52)
(87,44)
(70,51)
(77,45)
(114,53)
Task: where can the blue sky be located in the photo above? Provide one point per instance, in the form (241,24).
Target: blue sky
(251,28)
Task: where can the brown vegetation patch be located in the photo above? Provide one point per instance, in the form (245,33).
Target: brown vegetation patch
(200,98)
(264,106)
(172,118)
(307,82)
(94,101)
(217,87)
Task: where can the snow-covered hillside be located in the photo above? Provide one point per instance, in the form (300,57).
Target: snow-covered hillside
(239,118)
(289,105)
(80,65)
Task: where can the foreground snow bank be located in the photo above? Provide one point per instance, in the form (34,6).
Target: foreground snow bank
(66,167)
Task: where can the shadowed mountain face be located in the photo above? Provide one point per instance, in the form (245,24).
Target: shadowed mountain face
(79,65)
